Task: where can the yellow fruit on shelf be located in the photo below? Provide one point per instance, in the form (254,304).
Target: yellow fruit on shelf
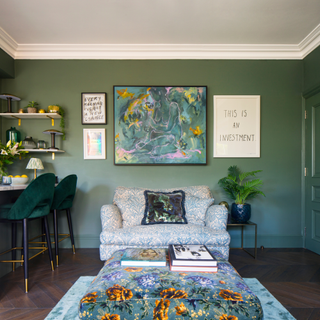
(17,176)
(24,176)
(10,176)
(42,111)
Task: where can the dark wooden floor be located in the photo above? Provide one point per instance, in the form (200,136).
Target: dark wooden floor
(291,275)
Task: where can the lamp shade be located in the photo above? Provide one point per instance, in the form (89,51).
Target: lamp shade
(35,163)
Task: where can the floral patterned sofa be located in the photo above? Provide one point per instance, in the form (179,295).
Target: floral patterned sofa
(121,223)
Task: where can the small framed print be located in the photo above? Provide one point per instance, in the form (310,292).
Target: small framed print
(93,108)
(94,144)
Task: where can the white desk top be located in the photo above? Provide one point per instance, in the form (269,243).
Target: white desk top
(4,187)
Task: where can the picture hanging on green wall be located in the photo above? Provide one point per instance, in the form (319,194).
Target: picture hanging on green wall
(160,125)
(94,107)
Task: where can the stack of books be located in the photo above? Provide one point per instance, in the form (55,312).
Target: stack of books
(144,257)
(191,258)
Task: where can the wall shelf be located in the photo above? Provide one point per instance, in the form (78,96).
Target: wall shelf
(30,115)
(43,150)
(34,116)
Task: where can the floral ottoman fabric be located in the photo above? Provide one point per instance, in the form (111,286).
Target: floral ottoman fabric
(124,293)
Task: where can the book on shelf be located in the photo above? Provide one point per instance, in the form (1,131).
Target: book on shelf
(191,255)
(144,257)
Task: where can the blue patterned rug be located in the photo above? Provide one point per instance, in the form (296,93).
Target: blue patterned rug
(67,307)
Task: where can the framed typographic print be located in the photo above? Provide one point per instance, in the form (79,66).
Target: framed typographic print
(236,126)
(160,125)
(93,108)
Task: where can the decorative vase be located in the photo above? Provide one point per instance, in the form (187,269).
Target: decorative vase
(53,109)
(28,143)
(241,212)
(13,134)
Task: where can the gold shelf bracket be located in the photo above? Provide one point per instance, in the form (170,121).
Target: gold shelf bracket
(19,120)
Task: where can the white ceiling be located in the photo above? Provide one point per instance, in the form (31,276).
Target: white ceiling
(152,29)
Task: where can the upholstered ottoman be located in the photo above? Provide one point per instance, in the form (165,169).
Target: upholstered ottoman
(120,293)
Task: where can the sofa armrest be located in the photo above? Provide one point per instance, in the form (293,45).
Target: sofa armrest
(216,217)
(110,217)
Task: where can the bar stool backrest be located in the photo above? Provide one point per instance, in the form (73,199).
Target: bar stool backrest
(64,193)
(35,201)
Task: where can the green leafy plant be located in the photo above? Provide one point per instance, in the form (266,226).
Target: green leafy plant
(62,123)
(239,187)
(32,104)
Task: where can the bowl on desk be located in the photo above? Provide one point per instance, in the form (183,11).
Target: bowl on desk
(19,181)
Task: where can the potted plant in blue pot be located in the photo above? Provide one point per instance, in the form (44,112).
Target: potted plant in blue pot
(240,189)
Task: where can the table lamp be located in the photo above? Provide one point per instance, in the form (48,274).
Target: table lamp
(9,98)
(35,163)
(53,137)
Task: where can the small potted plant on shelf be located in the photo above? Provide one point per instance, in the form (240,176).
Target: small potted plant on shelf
(32,107)
(240,188)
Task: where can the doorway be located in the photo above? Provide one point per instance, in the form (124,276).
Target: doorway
(312,173)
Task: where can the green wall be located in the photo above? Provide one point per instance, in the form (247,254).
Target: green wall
(311,67)
(279,83)
(6,65)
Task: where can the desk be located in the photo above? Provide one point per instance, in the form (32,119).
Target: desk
(242,225)
(6,187)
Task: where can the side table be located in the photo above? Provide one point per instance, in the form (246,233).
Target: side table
(242,225)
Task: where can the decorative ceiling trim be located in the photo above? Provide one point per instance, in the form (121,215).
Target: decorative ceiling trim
(160,51)
(7,43)
(153,51)
(310,42)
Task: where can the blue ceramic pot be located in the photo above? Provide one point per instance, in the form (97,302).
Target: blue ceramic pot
(241,212)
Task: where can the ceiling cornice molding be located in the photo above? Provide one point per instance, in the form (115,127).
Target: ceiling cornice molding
(160,51)
(310,42)
(7,43)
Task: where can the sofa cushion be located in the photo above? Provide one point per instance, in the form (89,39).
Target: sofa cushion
(164,207)
(131,203)
(196,209)
(165,234)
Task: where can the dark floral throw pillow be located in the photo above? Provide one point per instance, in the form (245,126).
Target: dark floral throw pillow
(164,207)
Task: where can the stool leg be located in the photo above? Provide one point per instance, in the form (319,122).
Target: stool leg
(48,240)
(25,253)
(71,230)
(14,243)
(43,237)
(56,242)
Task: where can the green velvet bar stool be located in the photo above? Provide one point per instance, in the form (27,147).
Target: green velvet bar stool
(62,201)
(34,202)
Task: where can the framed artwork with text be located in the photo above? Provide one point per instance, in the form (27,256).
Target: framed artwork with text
(93,108)
(236,126)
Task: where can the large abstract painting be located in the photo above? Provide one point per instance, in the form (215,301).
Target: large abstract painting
(160,125)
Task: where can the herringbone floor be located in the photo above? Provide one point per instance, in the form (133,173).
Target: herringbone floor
(291,275)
